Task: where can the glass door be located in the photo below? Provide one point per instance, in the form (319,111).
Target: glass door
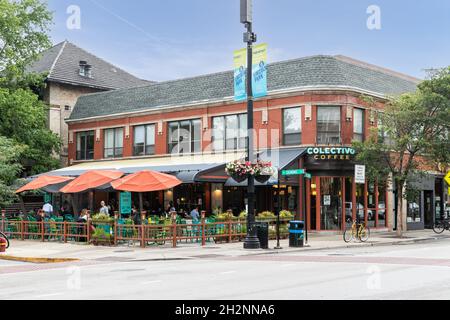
(330,203)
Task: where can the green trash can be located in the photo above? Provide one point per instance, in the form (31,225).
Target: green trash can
(296,234)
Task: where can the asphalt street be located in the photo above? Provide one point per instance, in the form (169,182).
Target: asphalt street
(413,271)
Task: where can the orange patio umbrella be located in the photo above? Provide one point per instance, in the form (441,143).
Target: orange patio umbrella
(91,180)
(146,181)
(43,181)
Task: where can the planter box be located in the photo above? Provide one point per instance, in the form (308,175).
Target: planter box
(102,242)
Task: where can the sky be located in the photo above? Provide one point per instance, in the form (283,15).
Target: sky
(169,39)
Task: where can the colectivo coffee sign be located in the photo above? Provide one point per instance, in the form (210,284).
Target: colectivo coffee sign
(331,153)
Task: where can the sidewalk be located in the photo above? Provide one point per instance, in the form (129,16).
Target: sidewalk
(52,250)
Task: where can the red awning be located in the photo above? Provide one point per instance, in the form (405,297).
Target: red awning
(91,180)
(146,181)
(43,181)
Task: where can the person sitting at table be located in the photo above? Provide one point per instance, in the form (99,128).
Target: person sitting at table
(195,215)
(40,215)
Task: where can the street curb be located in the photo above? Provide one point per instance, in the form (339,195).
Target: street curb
(406,242)
(37,260)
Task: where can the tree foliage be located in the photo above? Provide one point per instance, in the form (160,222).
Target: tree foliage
(24,27)
(413,134)
(25,141)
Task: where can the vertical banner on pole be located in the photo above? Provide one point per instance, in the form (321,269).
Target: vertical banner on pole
(240,69)
(259,69)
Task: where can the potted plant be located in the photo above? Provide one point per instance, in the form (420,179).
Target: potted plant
(239,170)
(263,171)
(286,215)
(101,238)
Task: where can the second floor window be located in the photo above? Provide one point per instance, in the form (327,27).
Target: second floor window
(358,125)
(114,143)
(229,132)
(185,136)
(85,145)
(328,125)
(144,140)
(292,126)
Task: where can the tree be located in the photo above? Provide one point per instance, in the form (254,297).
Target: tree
(23,119)
(24,27)
(26,144)
(412,135)
(10,153)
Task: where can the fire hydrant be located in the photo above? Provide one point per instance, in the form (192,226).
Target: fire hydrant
(2,245)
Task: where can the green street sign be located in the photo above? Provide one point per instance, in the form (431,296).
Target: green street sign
(293,172)
(308,176)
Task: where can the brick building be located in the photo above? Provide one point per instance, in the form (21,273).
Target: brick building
(192,127)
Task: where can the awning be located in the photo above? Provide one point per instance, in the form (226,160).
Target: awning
(280,158)
(185,168)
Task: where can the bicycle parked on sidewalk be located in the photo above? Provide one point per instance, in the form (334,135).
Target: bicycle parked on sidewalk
(358,230)
(441,225)
(2,235)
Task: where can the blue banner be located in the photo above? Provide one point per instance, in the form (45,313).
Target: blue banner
(240,70)
(259,80)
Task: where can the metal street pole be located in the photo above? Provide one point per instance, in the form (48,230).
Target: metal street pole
(278,247)
(251,241)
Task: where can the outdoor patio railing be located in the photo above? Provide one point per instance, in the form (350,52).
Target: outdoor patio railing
(116,233)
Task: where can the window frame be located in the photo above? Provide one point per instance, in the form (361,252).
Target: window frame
(84,152)
(114,148)
(192,141)
(361,136)
(242,132)
(327,133)
(146,145)
(295,133)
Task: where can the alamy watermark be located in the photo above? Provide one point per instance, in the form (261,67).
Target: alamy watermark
(374,19)
(73,22)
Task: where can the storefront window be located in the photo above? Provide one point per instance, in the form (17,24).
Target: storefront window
(85,145)
(382,205)
(330,204)
(371,205)
(114,143)
(413,210)
(144,140)
(358,124)
(184,136)
(292,126)
(230,132)
(328,125)
(360,202)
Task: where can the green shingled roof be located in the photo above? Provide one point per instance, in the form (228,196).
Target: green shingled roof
(322,71)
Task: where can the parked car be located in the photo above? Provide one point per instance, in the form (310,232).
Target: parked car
(359,211)
(382,211)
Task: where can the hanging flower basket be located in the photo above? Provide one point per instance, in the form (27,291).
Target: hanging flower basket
(241,170)
(239,178)
(262,179)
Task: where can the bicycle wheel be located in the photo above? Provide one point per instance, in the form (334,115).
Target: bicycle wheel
(438,227)
(2,235)
(348,235)
(364,234)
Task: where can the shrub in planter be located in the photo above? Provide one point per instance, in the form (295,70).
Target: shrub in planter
(243,215)
(101,238)
(266,215)
(286,215)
